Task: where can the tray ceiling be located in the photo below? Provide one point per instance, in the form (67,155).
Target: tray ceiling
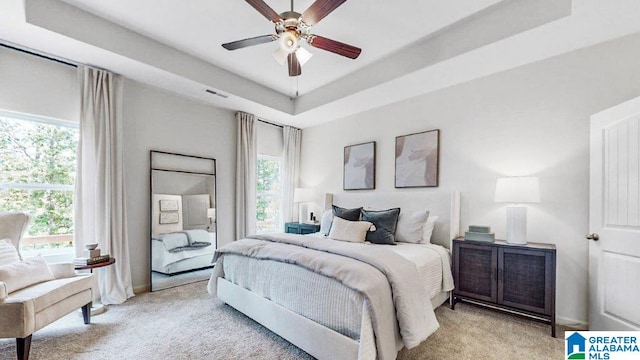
(409,47)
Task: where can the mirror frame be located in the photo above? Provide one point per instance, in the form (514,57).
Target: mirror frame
(154,167)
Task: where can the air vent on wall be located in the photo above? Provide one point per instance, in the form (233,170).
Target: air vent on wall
(217,93)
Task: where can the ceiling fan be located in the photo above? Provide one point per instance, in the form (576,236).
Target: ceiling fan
(291,27)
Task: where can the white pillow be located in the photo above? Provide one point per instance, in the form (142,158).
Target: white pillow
(410,226)
(8,253)
(351,231)
(428,229)
(22,274)
(325,222)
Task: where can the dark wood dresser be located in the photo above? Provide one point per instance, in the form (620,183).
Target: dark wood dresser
(519,279)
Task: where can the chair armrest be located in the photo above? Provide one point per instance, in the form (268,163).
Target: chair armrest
(3,291)
(62,270)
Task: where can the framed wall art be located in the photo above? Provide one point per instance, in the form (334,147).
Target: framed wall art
(168,205)
(169,217)
(417,159)
(360,166)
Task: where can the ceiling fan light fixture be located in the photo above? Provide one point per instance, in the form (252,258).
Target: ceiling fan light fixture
(288,41)
(303,55)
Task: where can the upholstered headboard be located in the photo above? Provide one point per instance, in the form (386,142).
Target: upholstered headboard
(444,205)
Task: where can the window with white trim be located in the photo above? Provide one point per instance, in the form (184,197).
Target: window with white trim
(37,172)
(268,194)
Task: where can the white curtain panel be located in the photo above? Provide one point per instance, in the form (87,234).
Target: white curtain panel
(290,169)
(99,204)
(246,168)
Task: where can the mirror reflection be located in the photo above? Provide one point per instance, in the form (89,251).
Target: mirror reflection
(183,219)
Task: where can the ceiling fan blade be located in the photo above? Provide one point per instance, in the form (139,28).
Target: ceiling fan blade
(265,10)
(319,9)
(294,66)
(249,42)
(336,47)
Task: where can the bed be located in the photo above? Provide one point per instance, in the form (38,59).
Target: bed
(180,251)
(341,300)
(179,238)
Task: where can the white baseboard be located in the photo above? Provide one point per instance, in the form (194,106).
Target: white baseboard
(141,289)
(573,323)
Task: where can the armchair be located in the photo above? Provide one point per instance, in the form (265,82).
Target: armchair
(25,310)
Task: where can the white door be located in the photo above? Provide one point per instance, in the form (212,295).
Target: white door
(614,219)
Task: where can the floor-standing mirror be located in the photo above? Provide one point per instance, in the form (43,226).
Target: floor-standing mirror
(183,219)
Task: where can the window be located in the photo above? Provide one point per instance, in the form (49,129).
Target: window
(37,171)
(268,195)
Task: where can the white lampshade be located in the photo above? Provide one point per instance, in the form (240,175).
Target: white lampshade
(303,55)
(524,189)
(211,213)
(280,55)
(287,43)
(301,195)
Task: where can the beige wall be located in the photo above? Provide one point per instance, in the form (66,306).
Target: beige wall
(532,120)
(158,120)
(154,119)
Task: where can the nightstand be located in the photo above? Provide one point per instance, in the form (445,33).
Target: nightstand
(518,279)
(300,228)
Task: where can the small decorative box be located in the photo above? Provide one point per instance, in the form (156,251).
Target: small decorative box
(479,236)
(480,229)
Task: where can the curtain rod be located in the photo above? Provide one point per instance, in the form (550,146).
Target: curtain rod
(40,55)
(270,123)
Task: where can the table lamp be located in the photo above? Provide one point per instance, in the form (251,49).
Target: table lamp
(302,196)
(517,190)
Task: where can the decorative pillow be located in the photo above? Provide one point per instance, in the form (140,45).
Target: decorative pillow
(351,231)
(325,222)
(410,227)
(347,214)
(8,253)
(428,229)
(22,274)
(385,222)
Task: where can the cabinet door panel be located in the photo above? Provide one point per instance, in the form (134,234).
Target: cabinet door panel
(307,230)
(292,228)
(475,271)
(523,280)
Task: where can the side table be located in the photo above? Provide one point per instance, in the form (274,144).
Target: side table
(301,228)
(96,309)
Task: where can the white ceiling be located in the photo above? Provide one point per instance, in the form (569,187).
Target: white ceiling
(199,28)
(409,47)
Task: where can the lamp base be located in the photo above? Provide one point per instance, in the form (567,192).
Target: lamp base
(302,212)
(517,225)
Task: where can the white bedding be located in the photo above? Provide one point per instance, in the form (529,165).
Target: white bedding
(164,259)
(430,259)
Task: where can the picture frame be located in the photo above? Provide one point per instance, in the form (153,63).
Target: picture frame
(168,205)
(359,166)
(417,159)
(172,217)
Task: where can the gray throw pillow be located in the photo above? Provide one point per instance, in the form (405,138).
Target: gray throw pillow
(385,222)
(347,214)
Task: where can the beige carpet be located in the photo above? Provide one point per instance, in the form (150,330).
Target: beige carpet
(185,323)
